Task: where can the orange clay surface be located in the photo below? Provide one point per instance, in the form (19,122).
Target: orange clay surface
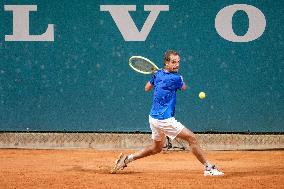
(86,168)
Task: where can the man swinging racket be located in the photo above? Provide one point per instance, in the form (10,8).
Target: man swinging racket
(165,83)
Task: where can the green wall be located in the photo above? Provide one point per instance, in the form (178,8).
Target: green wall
(81,81)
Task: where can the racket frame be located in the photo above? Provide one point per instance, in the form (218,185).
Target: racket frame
(146,59)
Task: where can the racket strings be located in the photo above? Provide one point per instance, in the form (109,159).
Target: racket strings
(142,65)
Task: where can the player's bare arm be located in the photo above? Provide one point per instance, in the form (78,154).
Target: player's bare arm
(148,86)
(184,87)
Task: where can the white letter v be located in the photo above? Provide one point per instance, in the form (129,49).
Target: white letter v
(126,25)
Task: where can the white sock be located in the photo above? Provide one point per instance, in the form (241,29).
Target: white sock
(208,165)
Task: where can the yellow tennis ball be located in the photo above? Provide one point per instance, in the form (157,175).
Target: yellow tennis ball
(202,95)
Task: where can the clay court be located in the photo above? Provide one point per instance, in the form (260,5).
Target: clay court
(86,168)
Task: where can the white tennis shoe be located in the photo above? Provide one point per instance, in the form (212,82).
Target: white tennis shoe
(120,163)
(213,171)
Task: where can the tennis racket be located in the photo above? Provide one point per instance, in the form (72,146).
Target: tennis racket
(142,65)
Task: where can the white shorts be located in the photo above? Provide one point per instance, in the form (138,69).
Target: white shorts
(167,127)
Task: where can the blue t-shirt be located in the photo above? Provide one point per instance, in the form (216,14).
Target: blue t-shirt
(165,86)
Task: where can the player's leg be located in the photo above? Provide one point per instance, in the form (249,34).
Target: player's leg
(210,170)
(154,148)
(123,160)
(157,145)
(189,136)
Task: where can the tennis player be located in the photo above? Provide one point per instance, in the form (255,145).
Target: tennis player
(166,82)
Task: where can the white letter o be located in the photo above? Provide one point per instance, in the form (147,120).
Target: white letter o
(223,23)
